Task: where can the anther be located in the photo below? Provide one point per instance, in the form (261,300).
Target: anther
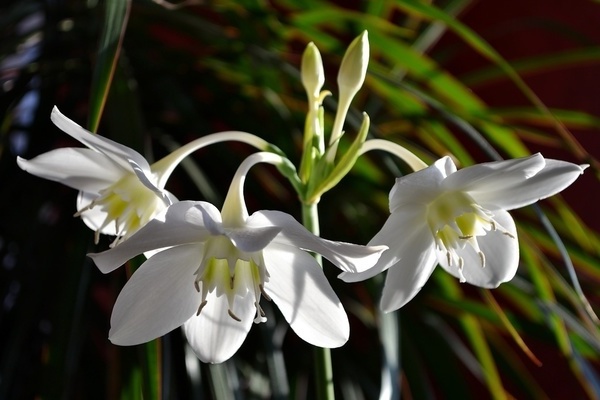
(482,258)
(84,209)
(449,258)
(466,237)
(262,291)
(461,263)
(197,286)
(231,283)
(201,307)
(260,310)
(510,235)
(232,315)
(96,237)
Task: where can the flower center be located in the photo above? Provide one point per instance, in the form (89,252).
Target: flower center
(230,272)
(455,220)
(128,204)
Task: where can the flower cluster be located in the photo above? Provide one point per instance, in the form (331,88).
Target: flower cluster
(209,270)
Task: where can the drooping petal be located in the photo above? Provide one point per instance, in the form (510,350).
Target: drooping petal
(214,335)
(346,256)
(81,169)
(252,239)
(496,175)
(407,278)
(402,231)
(501,253)
(159,297)
(169,228)
(118,153)
(420,186)
(298,286)
(553,178)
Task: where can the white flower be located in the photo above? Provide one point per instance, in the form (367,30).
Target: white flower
(119,191)
(459,220)
(217,267)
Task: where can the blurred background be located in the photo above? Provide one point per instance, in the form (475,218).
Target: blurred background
(475,79)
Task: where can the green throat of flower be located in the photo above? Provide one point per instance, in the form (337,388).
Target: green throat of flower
(230,272)
(456,220)
(127,204)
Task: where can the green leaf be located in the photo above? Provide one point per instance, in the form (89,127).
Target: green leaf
(111,39)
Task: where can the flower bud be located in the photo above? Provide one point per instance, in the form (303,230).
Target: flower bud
(312,72)
(354,65)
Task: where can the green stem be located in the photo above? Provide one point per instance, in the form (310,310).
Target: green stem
(322,356)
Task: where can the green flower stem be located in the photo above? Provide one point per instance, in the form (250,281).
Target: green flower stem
(166,165)
(338,123)
(402,153)
(322,356)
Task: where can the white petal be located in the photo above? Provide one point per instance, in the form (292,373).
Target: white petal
(214,335)
(205,215)
(494,175)
(501,256)
(404,281)
(169,228)
(402,231)
(94,218)
(81,169)
(252,239)
(553,178)
(298,286)
(145,177)
(118,153)
(346,256)
(406,278)
(421,186)
(159,297)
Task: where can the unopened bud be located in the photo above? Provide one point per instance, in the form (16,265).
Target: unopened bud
(354,65)
(313,76)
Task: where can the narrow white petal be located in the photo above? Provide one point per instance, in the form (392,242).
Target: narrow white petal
(405,279)
(169,228)
(501,253)
(214,335)
(252,239)
(346,256)
(495,175)
(411,258)
(298,286)
(402,231)
(159,297)
(421,186)
(118,153)
(553,178)
(81,169)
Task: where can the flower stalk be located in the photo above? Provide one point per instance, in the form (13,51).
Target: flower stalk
(322,356)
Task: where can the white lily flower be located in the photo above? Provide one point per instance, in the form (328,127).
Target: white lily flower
(459,220)
(217,267)
(119,191)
